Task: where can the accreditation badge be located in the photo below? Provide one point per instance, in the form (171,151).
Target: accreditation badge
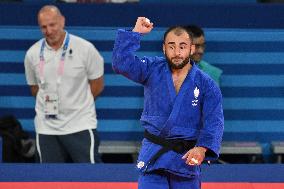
(51,104)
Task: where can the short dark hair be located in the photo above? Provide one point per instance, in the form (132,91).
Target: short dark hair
(178,30)
(195,30)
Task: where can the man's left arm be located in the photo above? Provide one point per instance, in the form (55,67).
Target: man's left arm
(210,136)
(97,86)
(95,71)
(209,140)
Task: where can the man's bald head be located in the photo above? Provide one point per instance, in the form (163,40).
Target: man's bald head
(49,8)
(52,23)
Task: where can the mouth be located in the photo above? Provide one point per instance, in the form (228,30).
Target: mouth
(177,59)
(50,37)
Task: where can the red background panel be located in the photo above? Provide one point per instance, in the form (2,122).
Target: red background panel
(129,185)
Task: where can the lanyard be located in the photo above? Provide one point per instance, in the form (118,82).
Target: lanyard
(61,63)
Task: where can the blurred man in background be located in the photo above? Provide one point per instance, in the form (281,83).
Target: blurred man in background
(199,42)
(65,74)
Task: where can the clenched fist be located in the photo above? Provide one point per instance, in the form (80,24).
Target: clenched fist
(195,156)
(143,25)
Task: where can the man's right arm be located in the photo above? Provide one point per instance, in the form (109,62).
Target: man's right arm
(124,60)
(30,74)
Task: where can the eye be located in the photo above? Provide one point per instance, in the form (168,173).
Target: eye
(182,47)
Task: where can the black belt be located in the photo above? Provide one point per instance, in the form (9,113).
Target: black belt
(178,145)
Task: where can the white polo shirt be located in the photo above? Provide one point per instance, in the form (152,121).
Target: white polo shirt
(76,102)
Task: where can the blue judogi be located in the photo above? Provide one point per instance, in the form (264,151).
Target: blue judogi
(195,113)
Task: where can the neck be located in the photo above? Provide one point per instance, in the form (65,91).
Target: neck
(183,71)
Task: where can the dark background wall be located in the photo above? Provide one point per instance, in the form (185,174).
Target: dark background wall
(233,15)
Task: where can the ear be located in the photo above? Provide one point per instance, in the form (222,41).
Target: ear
(164,49)
(192,49)
(62,21)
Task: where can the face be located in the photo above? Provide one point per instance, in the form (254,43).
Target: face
(52,26)
(177,49)
(199,43)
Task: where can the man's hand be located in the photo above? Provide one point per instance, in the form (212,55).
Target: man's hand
(143,25)
(195,156)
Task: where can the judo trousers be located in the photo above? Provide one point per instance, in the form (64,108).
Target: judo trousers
(165,180)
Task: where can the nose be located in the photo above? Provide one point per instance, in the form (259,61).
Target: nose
(177,51)
(48,31)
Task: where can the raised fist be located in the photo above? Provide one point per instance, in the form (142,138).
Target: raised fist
(143,25)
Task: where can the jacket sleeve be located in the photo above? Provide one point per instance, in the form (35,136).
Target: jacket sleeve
(213,122)
(124,60)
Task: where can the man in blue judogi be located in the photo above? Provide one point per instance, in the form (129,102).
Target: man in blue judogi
(182,115)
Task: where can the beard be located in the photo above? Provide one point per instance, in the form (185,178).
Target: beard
(175,66)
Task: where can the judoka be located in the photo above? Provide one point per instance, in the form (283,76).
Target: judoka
(182,116)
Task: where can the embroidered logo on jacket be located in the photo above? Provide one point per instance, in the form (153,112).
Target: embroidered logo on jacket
(196,94)
(140,164)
